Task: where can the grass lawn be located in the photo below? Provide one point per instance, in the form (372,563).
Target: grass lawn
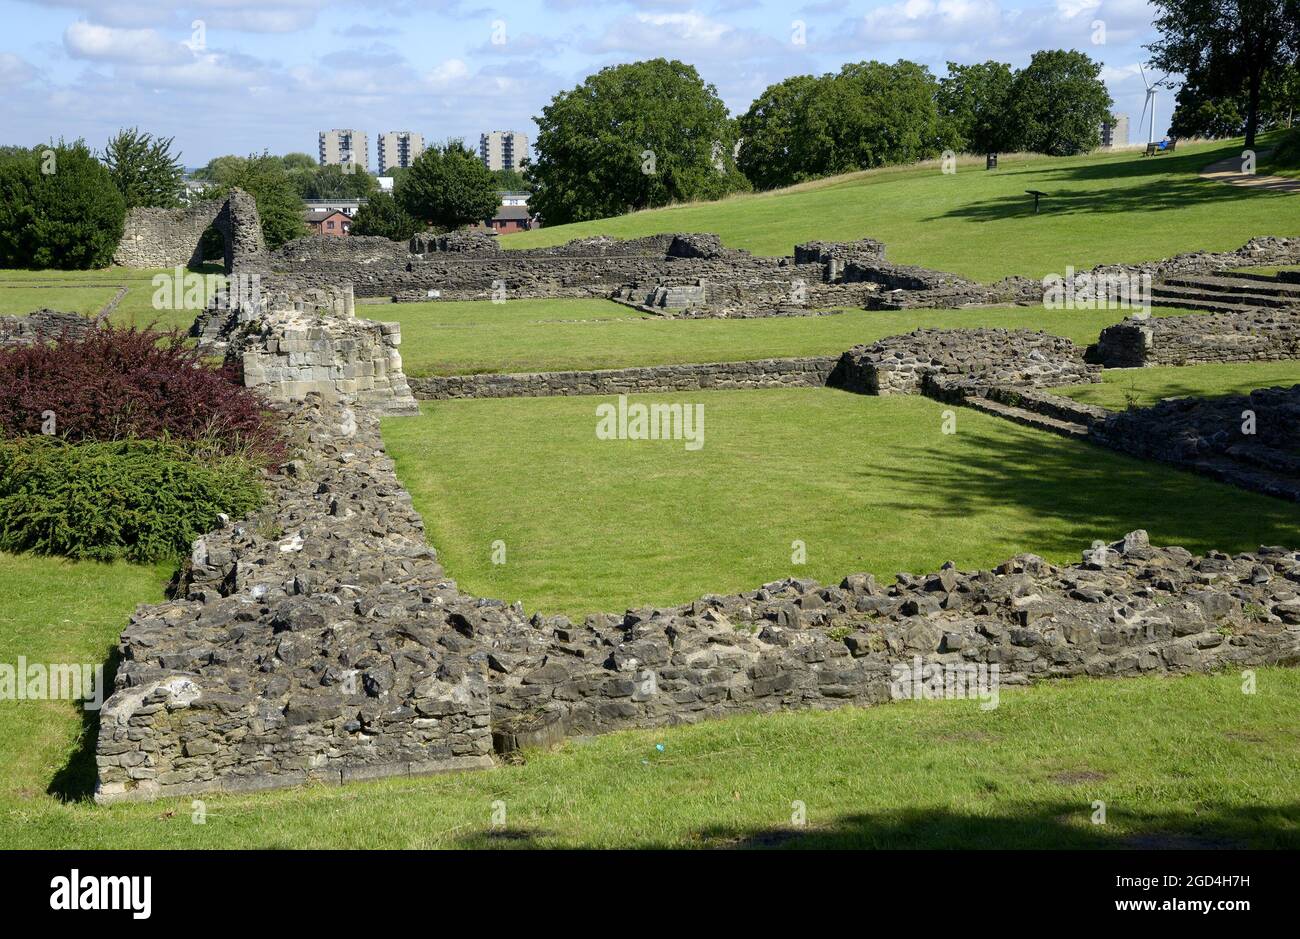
(58,611)
(455,338)
(1179,762)
(868,484)
(1102,207)
(22,291)
(1145,386)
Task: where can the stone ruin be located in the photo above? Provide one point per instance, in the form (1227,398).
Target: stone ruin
(319,640)
(1201,338)
(42,326)
(171,237)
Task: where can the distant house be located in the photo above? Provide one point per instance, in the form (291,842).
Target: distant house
(510,218)
(328,222)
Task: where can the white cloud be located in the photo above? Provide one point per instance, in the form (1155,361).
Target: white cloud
(108,43)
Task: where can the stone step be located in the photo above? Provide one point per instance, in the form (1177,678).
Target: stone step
(1027,418)
(1208,305)
(1057,407)
(1176,294)
(1260,284)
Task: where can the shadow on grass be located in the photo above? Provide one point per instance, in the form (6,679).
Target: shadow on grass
(1059,480)
(1163,193)
(75,779)
(1063,825)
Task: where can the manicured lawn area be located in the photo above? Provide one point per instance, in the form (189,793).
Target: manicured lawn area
(23,291)
(57,611)
(1103,207)
(453,338)
(1145,386)
(868,484)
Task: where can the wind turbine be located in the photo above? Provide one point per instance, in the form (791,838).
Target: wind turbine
(1150,103)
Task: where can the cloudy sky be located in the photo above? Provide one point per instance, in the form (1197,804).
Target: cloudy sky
(236,76)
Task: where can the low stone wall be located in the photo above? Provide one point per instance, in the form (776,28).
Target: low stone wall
(902,364)
(1264,335)
(42,326)
(1251,441)
(813,371)
(319,640)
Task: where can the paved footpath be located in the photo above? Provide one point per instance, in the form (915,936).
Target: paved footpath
(1229,171)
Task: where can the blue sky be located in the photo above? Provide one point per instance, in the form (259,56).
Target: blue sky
(236,76)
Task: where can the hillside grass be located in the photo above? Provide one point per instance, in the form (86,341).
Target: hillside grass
(1179,762)
(1142,387)
(456,338)
(1103,207)
(866,483)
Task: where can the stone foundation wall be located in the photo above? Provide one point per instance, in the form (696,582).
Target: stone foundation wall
(1199,339)
(812,371)
(320,639)
(43,326)
(902,364)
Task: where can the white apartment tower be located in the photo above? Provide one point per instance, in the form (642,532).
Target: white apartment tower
(502,149)
(341,147)
(399,148)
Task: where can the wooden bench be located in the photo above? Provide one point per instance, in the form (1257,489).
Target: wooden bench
(1154,149)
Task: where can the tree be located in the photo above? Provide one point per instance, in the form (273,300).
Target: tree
(975,101)
(143,169)
(1058,103)
(448,186)
(1232,45)
(59,208)
(1206,108)
(334,182)
(382,216)
(264,177)
(631,137)
(868,114)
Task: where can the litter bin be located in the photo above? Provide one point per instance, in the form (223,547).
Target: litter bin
(991,161)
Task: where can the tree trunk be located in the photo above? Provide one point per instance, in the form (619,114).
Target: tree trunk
(1252,107)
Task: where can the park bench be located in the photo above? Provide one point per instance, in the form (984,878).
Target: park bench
(1155,149)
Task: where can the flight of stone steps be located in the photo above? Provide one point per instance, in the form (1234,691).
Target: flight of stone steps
(1229,292)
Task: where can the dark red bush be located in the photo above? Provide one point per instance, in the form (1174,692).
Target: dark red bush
(117,383)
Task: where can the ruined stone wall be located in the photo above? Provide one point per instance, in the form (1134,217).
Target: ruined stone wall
(168,237)
(766,373)
(42,326)
(354,249)
(319,640)
(1265,335)
(902,364)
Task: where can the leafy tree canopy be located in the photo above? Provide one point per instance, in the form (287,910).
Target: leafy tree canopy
(1058,103)
(382,216)
(448,186)
(144,169)
(264,177)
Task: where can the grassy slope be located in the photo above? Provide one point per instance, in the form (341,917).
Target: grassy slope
(1145,386)
(451,338)
(1105,207)
(867,483)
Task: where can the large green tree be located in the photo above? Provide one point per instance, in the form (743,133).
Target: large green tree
(631,137)
(144,169)
(1058,103)
(58,208)
(1228,47)
(975,100)
(381,215)
(868,114)
(448,186)
(334,182)
(265,178)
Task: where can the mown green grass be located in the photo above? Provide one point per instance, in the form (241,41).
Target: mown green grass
(22,291)
(866,483)
(1100,208)
(58,611)
(1141,387)
(454,338)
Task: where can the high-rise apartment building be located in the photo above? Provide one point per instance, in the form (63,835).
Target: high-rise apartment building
(399,148)
(502,149)
(342,147)
(1114,133)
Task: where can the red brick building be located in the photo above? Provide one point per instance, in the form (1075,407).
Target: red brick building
(328,222)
